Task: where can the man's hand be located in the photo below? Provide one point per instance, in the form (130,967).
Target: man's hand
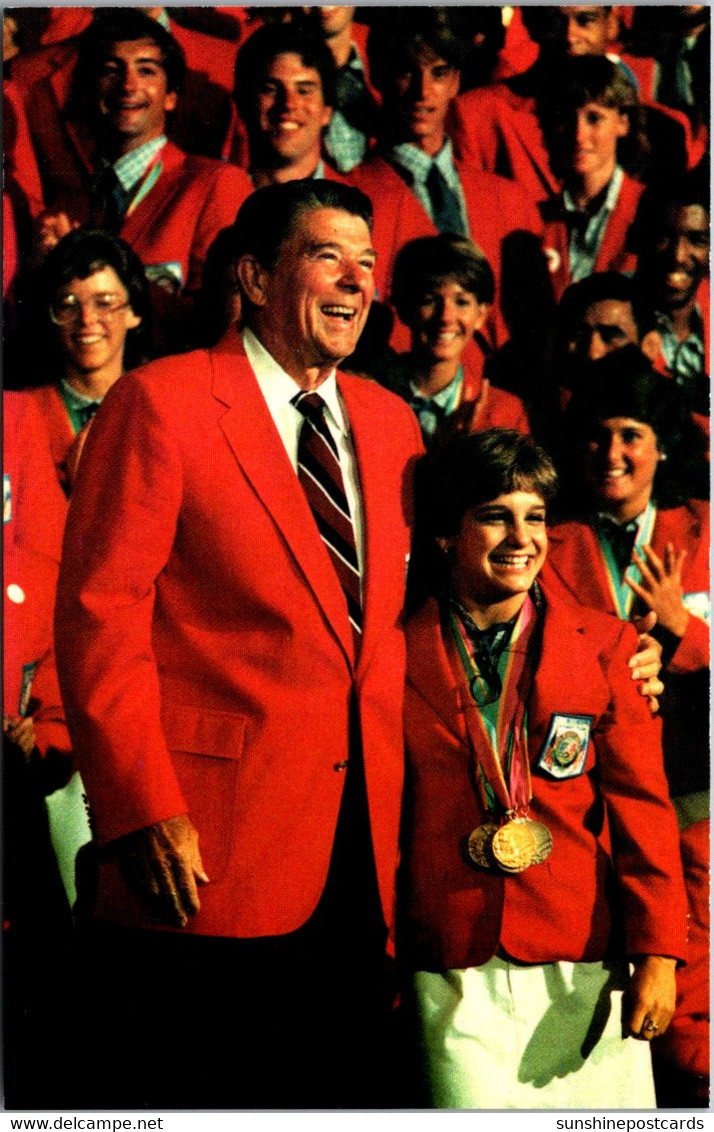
(646,664)
(661,586)
(22,732)
(650,998)
(162,865)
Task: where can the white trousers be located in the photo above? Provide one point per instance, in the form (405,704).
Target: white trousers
(505,1036)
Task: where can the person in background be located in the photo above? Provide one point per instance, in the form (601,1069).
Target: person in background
(284,92)
(543,911)
(592,126)
(128,178)
(603,313)
(92,300)
(635,537)
(415,61)
(354,114)
(672,240)
(443,288)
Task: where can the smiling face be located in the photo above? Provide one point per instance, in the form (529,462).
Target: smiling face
(310,310)
(91,339)
(132,93)
(621,460)
(290,113)
(678,258)
(497,554)
(444,321)
(418,98)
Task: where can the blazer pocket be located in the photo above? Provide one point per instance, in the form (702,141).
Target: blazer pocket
(206,747)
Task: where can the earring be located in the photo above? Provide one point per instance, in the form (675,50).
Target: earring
(663,455)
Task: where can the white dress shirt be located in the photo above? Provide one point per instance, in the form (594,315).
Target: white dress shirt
(278,389)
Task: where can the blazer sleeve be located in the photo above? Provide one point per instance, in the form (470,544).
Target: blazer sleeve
(120,530)
(645,838)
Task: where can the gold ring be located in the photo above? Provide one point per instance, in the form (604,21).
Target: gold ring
(650,1027)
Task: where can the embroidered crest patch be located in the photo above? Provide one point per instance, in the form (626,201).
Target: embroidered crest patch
(566,746)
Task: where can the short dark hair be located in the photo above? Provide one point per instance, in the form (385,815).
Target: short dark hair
(682,191)
(475,468)
(122,25)
(267,217)
(468,470)
(545,23)
(624,384)
(265,45)
(80,254)
(404,31)
(600,287)
(592,78)
(429,260)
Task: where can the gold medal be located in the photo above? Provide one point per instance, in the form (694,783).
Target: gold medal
(519,844)
(480,845)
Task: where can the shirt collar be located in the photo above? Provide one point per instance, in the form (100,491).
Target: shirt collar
(76,399)
(355,60)
(130,167)
(279,388)
(611,196)
(418,163)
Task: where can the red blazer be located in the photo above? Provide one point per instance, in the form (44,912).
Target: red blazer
(497,129)
(614,831)
(613,255)
(204,649)
(575,569)
(58,425)
(35,510)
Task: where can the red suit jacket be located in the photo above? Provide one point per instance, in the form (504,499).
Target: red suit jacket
(497,211)
(35,510)
(496,127)
(575,568)
(204,649)
(613,254)
(615,843)
(58,425)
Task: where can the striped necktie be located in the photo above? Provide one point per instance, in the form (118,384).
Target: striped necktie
(320,474)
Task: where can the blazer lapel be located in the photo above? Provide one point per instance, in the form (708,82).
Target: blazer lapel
(576,560)
(147,210)
(251,433)
(429,671)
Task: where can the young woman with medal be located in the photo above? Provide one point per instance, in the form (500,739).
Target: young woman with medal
(542,904)
(637,540)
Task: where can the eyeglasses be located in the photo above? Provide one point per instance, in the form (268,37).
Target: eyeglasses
(67,309)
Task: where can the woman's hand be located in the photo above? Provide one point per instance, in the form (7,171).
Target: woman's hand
(646,664)
(650,997)
(661,586)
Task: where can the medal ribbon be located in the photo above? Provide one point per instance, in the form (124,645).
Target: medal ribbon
(499,746)
(148,179)
(622,596)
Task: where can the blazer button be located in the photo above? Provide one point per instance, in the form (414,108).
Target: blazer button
(341,766)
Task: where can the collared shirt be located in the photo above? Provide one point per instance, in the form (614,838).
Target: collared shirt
(432,410)
(279,389)
(586,232)
(345,143)
(416,164)
(130,167)
(80,408)
(685,358)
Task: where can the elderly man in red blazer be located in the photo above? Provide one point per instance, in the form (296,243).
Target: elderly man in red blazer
(235,703)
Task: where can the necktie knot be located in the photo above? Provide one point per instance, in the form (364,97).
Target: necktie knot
(310,405)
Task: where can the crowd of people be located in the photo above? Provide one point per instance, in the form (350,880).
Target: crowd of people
(356,476)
